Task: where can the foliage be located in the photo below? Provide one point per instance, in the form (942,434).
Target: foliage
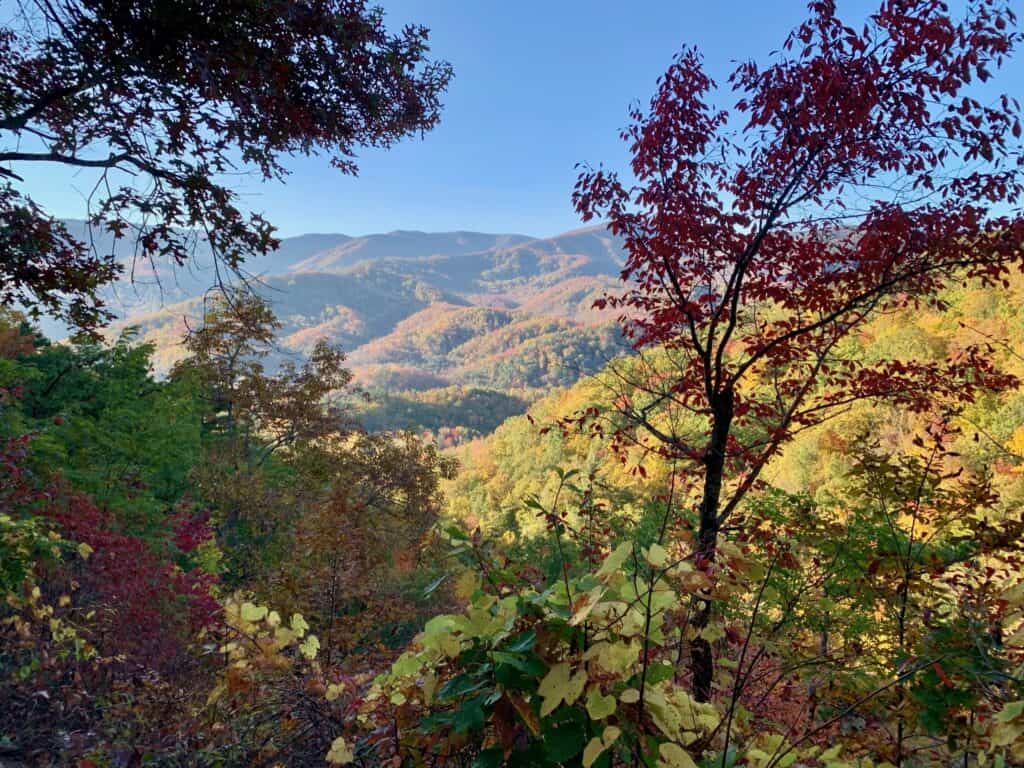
(755,254)
(495,348)
(88,612)
(792,534)
(116,434)
(889,607)
(115,540)
(359,556)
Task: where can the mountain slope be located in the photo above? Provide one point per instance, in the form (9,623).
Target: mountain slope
(433,323)
(401,244)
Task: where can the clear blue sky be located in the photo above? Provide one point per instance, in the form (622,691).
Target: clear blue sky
(539,86)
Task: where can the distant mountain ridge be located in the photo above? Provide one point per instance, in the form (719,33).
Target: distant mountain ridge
(403,245)
(502,310)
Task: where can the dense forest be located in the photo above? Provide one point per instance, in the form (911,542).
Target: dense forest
(733,478)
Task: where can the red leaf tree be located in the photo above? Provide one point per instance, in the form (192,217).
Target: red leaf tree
(858,173)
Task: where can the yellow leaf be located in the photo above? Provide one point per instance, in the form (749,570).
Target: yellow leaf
(615,560)
(215,694)
(657,555)
(428,686)
(576,686)
(341,753)
(558,686)
(681,568)
(1015,444)
(831,753)
(581,612)
(334,691)
(84,550)
(283,637)
(309,647)
(299,625)
(592,751)
(1010,712)
(552,688)
(253,613)
(598,706)
(674,756)
(712,632)
(466,585)
(597,745)
(614,657)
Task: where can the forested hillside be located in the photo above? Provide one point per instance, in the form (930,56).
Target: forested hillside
(415,310)
(523,457)
(731,477)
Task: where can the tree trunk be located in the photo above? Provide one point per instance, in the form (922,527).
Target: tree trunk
(702,662)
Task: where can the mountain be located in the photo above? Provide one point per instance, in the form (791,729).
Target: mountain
(415,311)
(348,309)
(402,245)
(148,286)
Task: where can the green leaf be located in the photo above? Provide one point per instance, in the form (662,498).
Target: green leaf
(530,665)
(432,586)
(456,533)
(522,643)
(659,672)
(493,757)
(470,716)
(1011,712)
(460,685)
(564,743)
(407,664)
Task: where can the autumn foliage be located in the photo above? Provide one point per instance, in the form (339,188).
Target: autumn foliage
(857,174)
(791,533)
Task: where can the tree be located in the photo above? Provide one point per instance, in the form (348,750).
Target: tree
(164,97)
(259,413)
(858,173)
(270,436)
(114,433)
(356,550)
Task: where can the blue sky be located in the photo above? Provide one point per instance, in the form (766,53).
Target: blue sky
(539,86)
